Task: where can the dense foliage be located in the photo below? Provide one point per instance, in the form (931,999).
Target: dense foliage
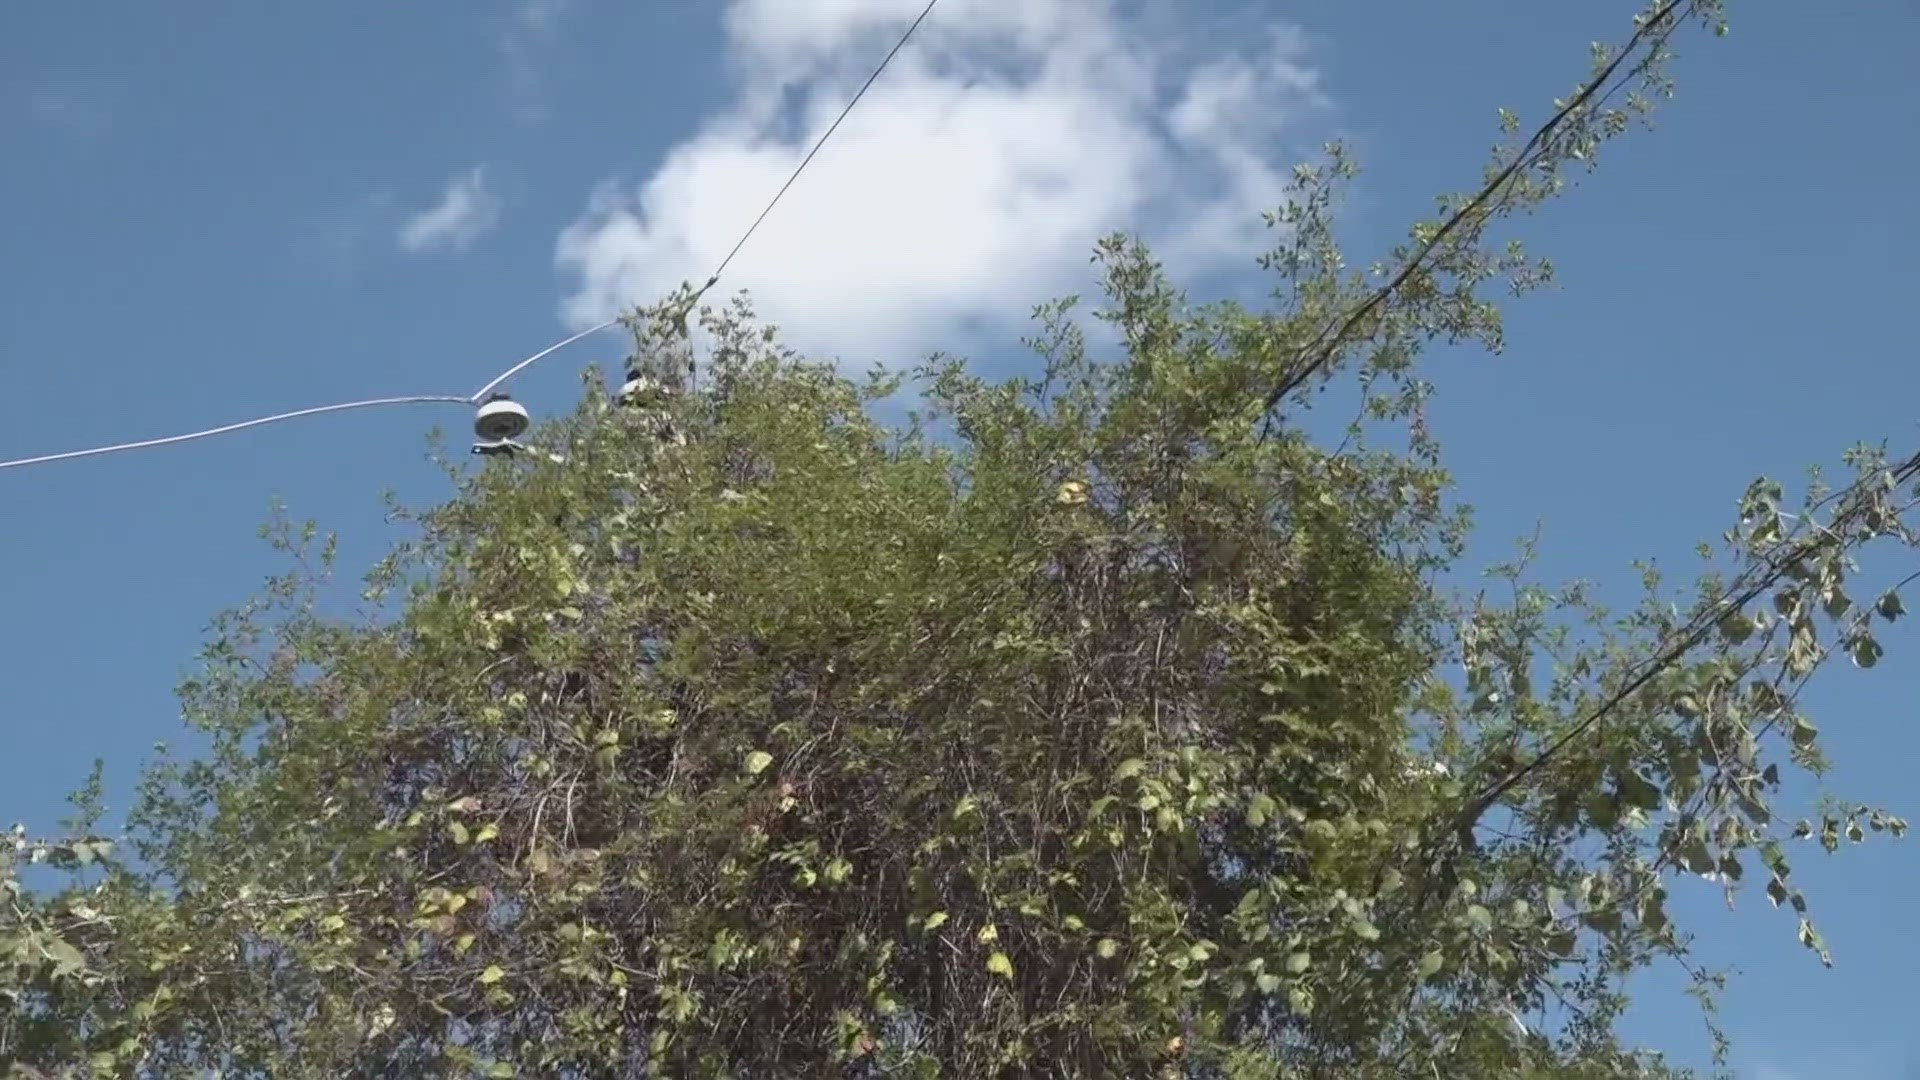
(1094,723)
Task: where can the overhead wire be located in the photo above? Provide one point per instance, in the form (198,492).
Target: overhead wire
(822,141)
(142,444)
(477,396)
(1325,347)
(714,278)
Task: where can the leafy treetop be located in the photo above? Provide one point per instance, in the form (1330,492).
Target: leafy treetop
(1094,723)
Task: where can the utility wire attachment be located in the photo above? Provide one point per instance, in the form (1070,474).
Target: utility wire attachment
(481,394)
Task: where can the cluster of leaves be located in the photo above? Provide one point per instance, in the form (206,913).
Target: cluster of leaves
(1098,723)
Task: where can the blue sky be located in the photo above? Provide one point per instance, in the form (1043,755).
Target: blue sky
(207,217)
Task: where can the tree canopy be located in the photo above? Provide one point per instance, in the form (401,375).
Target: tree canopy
(1093,722)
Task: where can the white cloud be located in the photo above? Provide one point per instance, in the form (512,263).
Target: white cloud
(466,211)
(974,177)
(530,28)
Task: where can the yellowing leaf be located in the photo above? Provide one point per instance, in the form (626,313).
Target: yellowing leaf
(1000,965)
(457,831)
(988,933)
(757,762)
(936,920)
(486,833)
(1107,948)
(492,975)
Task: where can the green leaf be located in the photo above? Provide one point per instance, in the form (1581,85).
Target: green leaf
(757,762)
(1268,982)
(1811,939)
(1430,964)
(1259,809)
(1480,918)
(1298,963)
(1605,920)
(1636,791)
(457,831)
(1890,606)
(1107,948)
(1128,769)
(491,975)
(1804,733)
(999,965)
(67,960)
(1866,651)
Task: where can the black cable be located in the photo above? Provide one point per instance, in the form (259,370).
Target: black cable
(714,278)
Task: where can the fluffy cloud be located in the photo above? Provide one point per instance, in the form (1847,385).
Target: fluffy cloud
(466,211)
(972,179)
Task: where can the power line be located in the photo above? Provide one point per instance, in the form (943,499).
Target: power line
(541,355)
(418,399)
(822,141)
(477,396)
(1326,345)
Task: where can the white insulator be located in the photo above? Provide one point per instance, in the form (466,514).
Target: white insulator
(639,389)
(501,418)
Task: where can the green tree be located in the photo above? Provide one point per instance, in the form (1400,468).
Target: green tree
(1095,723)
